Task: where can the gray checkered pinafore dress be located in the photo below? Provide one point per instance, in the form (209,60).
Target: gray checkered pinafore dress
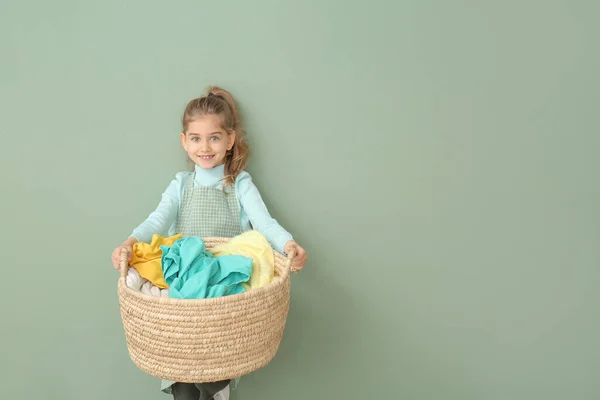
(208,212)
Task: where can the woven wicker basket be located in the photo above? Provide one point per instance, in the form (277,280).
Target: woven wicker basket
(205,340)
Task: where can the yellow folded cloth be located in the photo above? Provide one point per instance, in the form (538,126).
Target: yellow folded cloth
(254,245)
(147,257)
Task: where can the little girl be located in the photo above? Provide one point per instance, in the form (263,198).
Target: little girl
(217,199)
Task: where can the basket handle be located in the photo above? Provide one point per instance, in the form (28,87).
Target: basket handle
(124,262)
(289,265)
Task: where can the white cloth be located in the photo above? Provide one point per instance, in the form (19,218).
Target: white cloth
(136,282)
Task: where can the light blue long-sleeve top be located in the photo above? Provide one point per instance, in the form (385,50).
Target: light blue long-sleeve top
(253,211)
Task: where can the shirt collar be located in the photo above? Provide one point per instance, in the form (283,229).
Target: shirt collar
(207,177)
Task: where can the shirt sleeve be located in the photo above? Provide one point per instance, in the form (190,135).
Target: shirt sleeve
(256,210)
(161,219)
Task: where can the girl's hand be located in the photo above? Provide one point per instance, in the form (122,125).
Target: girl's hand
(301,256)
(116,255)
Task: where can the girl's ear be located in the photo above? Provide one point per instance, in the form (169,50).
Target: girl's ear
(230,140)
(183,142)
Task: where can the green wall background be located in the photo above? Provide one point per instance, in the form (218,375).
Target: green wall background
(439,160)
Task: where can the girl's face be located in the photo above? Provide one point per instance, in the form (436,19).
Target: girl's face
(206,142)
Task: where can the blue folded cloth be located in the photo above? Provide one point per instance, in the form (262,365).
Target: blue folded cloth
(192,272)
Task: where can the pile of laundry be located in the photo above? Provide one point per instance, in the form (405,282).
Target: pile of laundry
(182,267)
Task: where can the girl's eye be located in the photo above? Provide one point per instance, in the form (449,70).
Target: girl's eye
(195,139)
(214,138)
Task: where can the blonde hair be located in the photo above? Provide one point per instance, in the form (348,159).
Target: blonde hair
(219,102)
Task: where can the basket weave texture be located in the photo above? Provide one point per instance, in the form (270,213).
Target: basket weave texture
(205,340)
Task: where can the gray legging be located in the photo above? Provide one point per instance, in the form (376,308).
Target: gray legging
(197,391)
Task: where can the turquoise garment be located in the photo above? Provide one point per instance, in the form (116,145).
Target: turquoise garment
(194,273)
(253,211)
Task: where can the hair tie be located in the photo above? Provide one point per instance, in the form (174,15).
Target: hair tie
(214,95)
